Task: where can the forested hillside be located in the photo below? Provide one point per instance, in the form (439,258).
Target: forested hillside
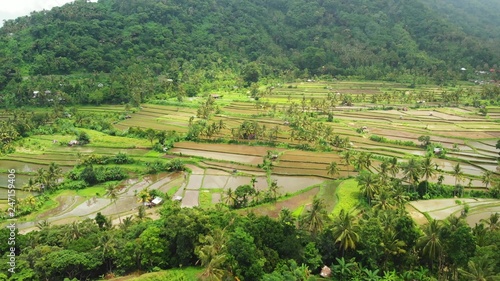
(196,42)
(476,17)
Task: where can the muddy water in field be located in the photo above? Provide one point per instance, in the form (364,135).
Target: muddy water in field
(294,184)
(194,182)
(467,169)
(234,182)
(213,181)
(190,198)
(21,166)
(220,155)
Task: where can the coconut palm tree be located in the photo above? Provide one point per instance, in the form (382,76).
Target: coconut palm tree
(229,198)
(345,231)
(314,218)
(393,167)
(332,169)
(457,173)
(487,178)
(400,197)
(348,157)
(430,242)
(42,179)
(286,217)
(428,170)
(43,224)
(383,172)
(493,222)
(273,189)
(112,193)
(369,185)
(363,161)
(127,222)
(73,232)
(212,255)
(412,171)
(253,181)
(30,185)
(479,271)
(107,247)
(383,200)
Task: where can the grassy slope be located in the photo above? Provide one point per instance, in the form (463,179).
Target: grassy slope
(185,274)
(347,196)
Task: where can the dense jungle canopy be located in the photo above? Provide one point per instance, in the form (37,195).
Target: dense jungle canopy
(197,42)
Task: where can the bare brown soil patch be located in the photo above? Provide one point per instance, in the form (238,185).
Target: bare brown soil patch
(273,210)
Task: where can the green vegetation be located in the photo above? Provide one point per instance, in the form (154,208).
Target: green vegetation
(348,194)
(182,49)
(126,120)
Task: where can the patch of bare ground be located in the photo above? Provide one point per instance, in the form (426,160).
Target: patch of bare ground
(227,148)
(273,210)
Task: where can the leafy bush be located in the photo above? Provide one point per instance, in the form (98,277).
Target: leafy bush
(74,185)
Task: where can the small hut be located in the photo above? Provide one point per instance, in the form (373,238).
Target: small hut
(156,201)
(326,272)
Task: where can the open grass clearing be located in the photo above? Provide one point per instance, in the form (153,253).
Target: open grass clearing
(184,274)
(347,196)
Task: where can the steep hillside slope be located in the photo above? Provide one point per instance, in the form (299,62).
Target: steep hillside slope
(373,39)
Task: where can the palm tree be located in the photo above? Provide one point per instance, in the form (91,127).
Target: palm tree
(43,224)
(286,217)
(273,189)
(113,196)
(348,157)
(393,167)
(54,173)
(211,254)
(30,185)
(479,272)
(229,197)
(107,247)
(487,178)
(457,173)
(42,179)
(412,171)
(127,222)
(345,231)
(384,172)
(332,169)
(392,246)
(400,197)
(493,222)
(369,185)
(430,242)
(253,181)
(383,200)
(363,161)
(314,218)
(428,170)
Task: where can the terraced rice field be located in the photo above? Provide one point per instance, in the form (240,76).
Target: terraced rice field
(440,209)
(223,166)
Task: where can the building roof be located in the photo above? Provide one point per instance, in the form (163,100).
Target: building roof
(325,271)
(156,200)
